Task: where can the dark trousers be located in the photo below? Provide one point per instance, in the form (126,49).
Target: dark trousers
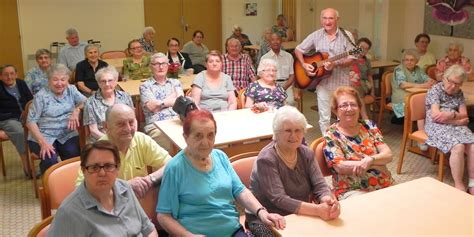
(67,150)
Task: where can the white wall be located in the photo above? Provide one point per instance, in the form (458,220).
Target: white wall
(113,22)
(233,12)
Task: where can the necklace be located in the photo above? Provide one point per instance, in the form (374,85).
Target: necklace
(203,164)
(289,160)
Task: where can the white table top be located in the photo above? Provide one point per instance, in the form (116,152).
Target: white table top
(422,207)
(132,87)
(232,127)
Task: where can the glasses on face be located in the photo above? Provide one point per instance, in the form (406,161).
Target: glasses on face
(95,168)
(160,64)
(453,83)
(346,106)
(106,81)
(270,70)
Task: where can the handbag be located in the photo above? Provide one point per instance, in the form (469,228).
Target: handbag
(183,105)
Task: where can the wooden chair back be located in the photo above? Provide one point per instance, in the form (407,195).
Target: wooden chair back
(41,229)
(113,54)
(317,146)
(386,92)
(241,99)
(243,165)
(3,138)
(58,182)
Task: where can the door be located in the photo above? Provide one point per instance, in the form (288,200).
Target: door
(180,18)
(10,48)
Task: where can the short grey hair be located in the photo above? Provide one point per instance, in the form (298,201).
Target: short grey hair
(236,27)
(149,29)
(230,40)
(90,46)
(410,52)
(40,52)
(265,63)
(332,9)
(157,55)
(285,114)
(107,70)
(459,45)
(71,31)
(455,71)
(60,69)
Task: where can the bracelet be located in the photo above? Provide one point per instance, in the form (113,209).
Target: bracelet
(258,211)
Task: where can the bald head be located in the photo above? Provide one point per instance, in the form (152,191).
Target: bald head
(121,124)
(117,110)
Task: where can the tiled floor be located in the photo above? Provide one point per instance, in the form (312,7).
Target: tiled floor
(20,210)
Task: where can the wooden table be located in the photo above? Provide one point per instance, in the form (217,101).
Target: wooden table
(238,131)
(116,62)
(467,88)
(376,64)
(132,87)
(422,207)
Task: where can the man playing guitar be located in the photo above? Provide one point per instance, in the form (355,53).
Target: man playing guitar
(334,41)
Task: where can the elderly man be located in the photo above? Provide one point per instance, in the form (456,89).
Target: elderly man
(157,96)
(333,40)
(14,94)
(285,73)
(147,39)
(237,65)
(73,52)
(137,150)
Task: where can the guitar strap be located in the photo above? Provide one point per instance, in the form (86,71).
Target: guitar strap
(347,37)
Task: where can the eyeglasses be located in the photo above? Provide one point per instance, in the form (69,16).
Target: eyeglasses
(160,64)
(453,83)
(270,70)
(106,81)
(346,106)
(95,168)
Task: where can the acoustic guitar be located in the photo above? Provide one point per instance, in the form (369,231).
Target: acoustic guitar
(304,81)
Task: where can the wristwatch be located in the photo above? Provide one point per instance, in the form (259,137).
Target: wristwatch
(153,179)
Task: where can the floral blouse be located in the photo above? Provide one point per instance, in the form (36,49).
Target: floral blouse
(137,71)
(340,147)
(258,93)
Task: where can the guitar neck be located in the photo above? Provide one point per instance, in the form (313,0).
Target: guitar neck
(335,58)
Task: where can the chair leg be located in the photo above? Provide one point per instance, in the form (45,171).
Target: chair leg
(402,153)
(2,161)
(441,166)
(379,120)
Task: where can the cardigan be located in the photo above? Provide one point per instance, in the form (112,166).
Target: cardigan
(9,108)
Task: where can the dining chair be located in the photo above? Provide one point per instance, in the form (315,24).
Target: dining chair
(58,182)
(149,203)
(386,92)
(243,165)
(241,99)
(30,156)
(414,111)
(317,146)
(3,138)
(369,102)
(113,54)
(41,229)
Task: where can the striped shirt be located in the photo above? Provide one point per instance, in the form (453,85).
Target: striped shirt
(240,70)
(320,42)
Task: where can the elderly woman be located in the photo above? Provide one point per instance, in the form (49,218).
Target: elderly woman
(37,77)
(237,34)
(86,69)
(426,58)
(175,56)
(282,29)
(137,66)
(102,205)
(407,75)
(200,188)
(265,46)
(360,76)
(265,92)
(355,150)
(197,51)
(286,174)
(54,117)
(98,103)
(446,124)
(212,89)
(454,56)
(147,39)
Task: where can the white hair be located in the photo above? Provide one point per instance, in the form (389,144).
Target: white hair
(107,70)
(459,45)
(455,71)
(149,29)
(264,63)
(285,114)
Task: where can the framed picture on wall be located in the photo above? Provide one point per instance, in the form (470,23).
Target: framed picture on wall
(251,9)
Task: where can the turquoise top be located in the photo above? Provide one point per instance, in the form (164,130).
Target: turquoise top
(202,202)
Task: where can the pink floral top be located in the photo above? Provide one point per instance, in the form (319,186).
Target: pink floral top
(445,63)
(340,147)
